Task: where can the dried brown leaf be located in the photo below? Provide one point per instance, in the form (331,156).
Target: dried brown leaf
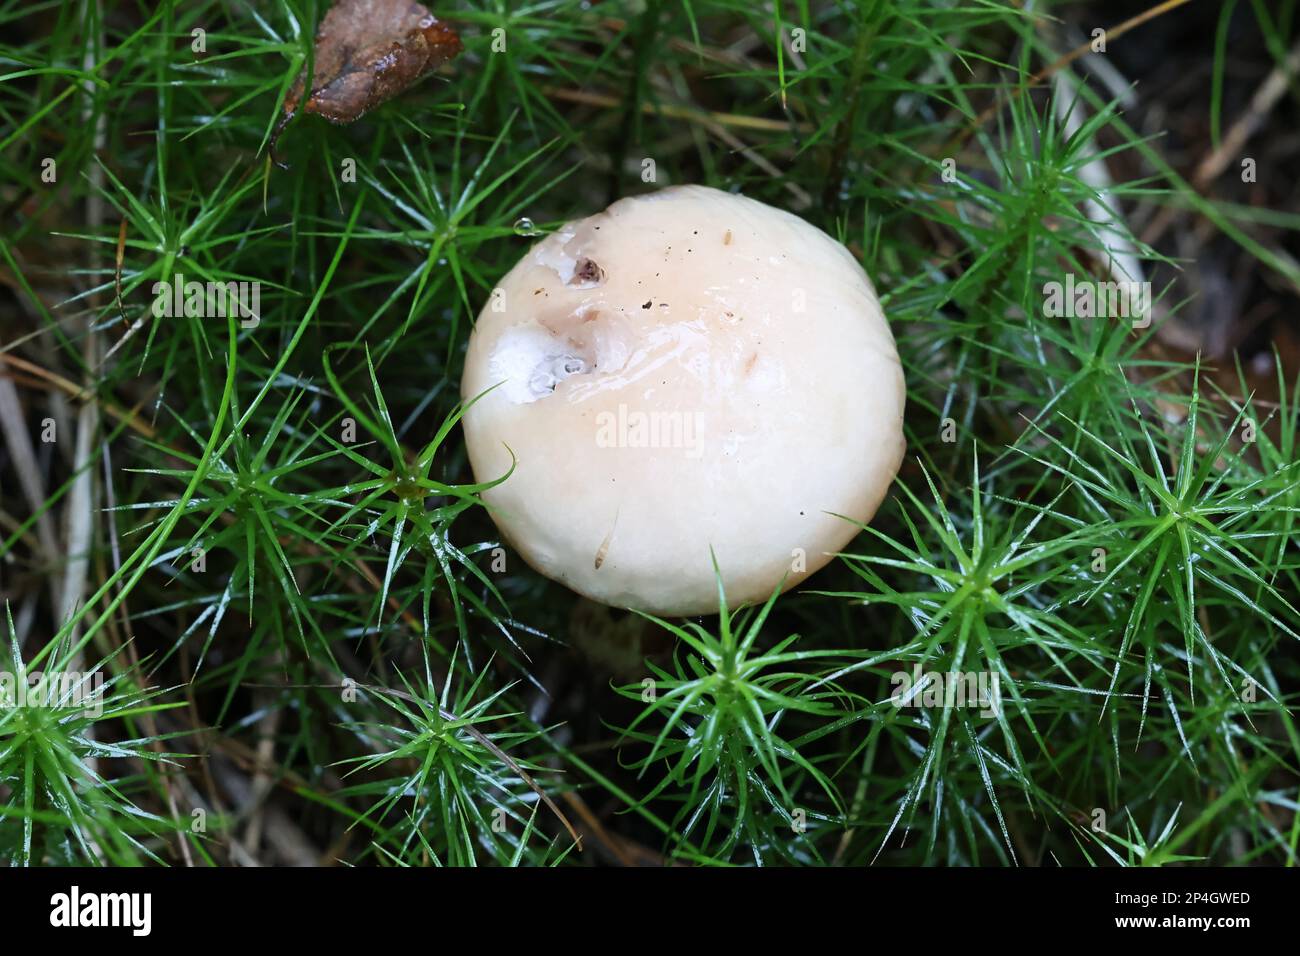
(367,52)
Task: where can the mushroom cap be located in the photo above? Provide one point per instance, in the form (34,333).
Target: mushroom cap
(688,374)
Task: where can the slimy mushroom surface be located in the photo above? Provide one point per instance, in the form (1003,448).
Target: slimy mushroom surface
(687,370)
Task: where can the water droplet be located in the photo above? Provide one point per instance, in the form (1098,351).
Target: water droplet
(525,227)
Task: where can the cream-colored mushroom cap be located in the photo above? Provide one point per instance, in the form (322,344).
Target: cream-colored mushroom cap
(687,370)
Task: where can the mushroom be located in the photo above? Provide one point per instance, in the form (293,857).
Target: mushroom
(689,376)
